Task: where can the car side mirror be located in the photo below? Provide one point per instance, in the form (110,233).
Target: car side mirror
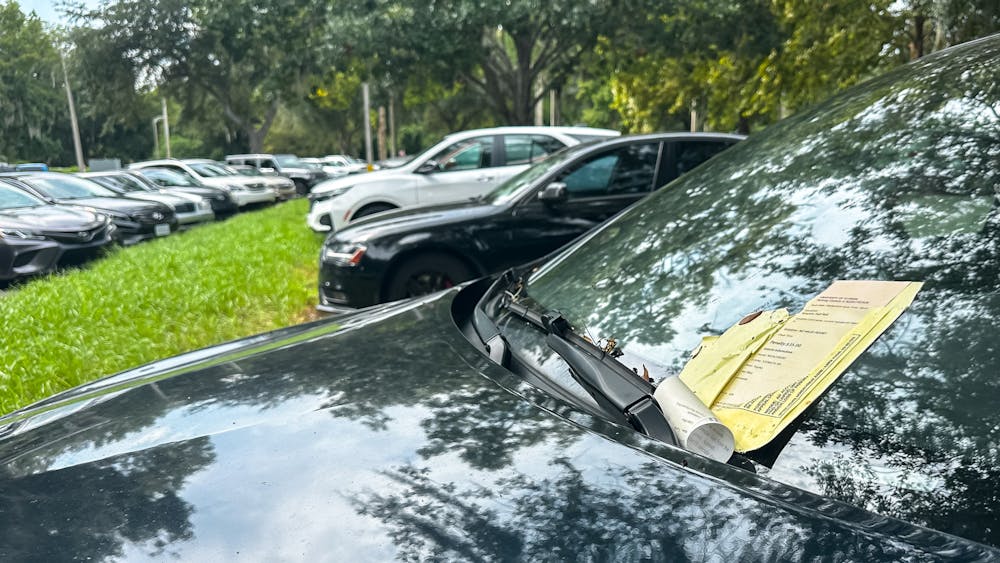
(428,167)
(552,193)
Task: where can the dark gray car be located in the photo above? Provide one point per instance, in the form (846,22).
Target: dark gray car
(448,428)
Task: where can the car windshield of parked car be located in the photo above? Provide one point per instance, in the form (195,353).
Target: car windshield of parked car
(248,171)
(512,188)
(67,187)
(13,198)
(896,180)
(289,161)
(125,183)
(168,177)
(209,170)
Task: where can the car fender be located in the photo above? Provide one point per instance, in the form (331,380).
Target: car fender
(351,202)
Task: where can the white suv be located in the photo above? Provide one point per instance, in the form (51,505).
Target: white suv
(462,166)
(243,189)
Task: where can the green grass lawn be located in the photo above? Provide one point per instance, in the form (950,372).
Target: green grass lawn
(251,273)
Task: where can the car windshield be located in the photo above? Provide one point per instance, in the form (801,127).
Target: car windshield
(170,177)
(249,171)
(210,170)
(514,186)
(67,187)
(13,198)
(896,180)
(121,182)
(289,161)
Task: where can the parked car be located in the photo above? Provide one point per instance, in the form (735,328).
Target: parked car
(244,190)
(461,166)
(189,209)
(391,433)
(342,165)
(416,251)
(284,187)
(37,237)
(287,165)
(31,167)
(222,200)
(136,220)
(393,162)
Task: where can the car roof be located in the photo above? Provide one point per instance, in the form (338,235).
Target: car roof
(537,129)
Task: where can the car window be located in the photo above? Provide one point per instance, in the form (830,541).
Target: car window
(468,154)
(628,169)
(592,177)
(688,154)
(527,149)
(11,198)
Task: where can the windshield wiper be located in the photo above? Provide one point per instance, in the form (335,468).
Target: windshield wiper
(621,393)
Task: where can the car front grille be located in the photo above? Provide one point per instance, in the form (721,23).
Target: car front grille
(256,187)
(153,216)
(184,208)
(77,237)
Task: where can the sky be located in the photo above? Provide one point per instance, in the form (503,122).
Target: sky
(50,10)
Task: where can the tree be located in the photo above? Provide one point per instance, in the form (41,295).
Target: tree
(31,97)
(511,53)
(246,56)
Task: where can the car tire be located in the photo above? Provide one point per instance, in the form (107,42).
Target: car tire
(426,273)
(373,208)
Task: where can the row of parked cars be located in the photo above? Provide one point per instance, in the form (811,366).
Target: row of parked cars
(482,201)
(482,422)
(49,219)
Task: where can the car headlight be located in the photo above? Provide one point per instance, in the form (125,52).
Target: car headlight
(316,198)
(21,234)
(344,254)
(116,215)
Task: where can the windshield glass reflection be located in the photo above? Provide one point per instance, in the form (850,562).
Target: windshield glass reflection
(896,181)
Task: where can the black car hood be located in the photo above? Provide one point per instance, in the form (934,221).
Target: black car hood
(50,218)
(120,204)
(386,435)
(415,218)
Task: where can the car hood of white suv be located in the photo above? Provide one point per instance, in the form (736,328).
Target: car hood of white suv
(392,175)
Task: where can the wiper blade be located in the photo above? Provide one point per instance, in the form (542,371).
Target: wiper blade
(621,393)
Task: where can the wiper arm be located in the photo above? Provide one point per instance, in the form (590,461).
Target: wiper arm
(623,394)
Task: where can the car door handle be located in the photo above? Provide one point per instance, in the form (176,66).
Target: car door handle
(485,178)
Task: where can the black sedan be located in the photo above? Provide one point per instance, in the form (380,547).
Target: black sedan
(416,251)
(137,220)
(448,428)
(223,204)
(37,237)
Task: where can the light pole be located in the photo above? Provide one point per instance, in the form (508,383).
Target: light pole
(72,118)
(166,126)
(156,137)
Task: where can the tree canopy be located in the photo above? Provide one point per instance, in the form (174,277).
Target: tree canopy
(285,75)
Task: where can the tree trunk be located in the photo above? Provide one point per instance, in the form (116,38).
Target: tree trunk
(917,38)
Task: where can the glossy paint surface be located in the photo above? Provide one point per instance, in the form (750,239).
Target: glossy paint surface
(379,436)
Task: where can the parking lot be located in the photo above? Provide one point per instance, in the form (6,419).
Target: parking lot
(516,281)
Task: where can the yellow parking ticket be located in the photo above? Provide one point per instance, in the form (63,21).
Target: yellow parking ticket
(759,376)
